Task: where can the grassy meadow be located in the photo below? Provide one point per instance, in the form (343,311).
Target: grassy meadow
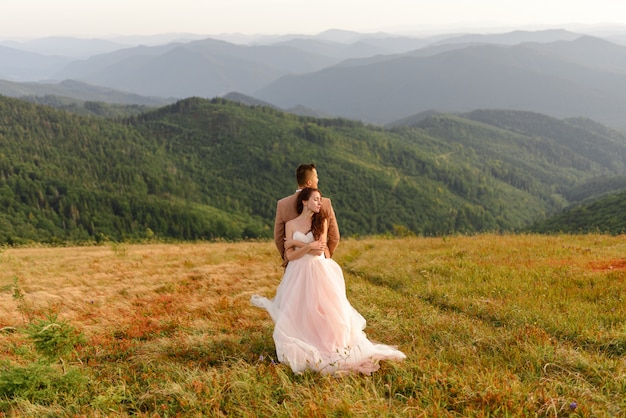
(493,326)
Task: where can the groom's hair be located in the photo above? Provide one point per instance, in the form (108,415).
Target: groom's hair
(303,173)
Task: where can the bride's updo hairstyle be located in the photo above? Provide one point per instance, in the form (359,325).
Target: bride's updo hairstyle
(317,222)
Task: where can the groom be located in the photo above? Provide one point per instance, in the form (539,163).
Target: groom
(306,176)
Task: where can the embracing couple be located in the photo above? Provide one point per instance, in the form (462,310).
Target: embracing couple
(287,210)
(315,326)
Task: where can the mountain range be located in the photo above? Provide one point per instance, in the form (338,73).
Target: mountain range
(375,78)
(583,77)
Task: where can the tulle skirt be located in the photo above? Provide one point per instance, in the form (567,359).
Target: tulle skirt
(316,327)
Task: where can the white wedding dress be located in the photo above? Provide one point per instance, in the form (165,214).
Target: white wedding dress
(315,325)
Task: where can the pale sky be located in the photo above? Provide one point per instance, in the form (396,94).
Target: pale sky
(106,18)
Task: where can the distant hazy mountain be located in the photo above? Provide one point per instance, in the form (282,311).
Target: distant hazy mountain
(67,47)
(331,35)
(413,119)
(205,68)
(324,49)
(337,50)
(513,38)
(247,100)
(374,77)
(586,76)
(19,65)
(348,44)
(618,39)
(72,47)
(79,91)
(251,101)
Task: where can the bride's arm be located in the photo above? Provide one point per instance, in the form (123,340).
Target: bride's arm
(290,242)
(319,250)
(293,253)
(295,249)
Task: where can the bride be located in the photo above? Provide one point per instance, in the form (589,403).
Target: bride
(315,325)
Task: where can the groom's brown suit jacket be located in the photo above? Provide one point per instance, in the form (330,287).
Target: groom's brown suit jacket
(286,210)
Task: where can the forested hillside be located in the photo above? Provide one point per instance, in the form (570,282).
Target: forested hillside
(605,215)
(207,169)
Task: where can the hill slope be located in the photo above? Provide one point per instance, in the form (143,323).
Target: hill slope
(200,169)
(605,215)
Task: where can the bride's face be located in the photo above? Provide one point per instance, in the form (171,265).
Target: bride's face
(314,203)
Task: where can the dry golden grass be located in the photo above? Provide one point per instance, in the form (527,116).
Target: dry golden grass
(98,287)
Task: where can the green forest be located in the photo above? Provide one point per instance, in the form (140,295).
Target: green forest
(203,169)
